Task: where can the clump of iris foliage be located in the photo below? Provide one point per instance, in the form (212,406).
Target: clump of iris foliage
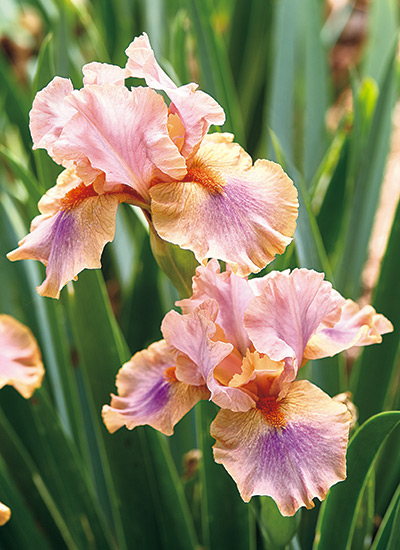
(69,483)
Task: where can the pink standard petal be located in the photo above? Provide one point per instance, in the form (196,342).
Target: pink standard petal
(227,209)
(149,392)
(103,73)
(293,463)
(122,133)
(70,234)
(20,359)
(233,296)
(282,319)
(193,338)
(356,327)
(196,109)
(50,113)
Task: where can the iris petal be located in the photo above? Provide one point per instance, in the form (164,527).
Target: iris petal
(20,359)
(149,392)
(243,217)
(292,453)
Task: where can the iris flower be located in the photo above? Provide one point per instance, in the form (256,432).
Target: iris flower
(200,191)
(241,343)
(20,366)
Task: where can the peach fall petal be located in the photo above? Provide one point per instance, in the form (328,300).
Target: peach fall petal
(71,232)
(196,109)
(50,113)
(122,133)
(233,296)
(5,513)
(243,217)
(293,450)
(149,392)
(282,319)
(357,327)
(20,359)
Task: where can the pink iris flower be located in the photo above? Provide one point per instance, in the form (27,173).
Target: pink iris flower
(241,343)
(200,191)
(20,366)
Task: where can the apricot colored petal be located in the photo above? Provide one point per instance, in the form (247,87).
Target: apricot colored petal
(71,232)
(20,359)
(122,133)
(357,327)
(198,352)
(282,319)
(292,464)
(5,513)
(196,109)
(233,296)
(191,336)
(50,113)
(142,64)
(103,73)
(243,217)
(149,393)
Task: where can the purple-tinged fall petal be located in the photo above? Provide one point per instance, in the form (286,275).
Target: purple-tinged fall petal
(149,392)
(293,450)
(282,319)
(196,109)
(20,359)
(356,327)
(50,113)
(233,296)
(74,226)
(122,133)
(241,214)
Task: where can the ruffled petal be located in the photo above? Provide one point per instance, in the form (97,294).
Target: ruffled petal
(233,296)
(5,513)
(50,113)
(70,234)
(149,393)
(103,73)
(191,336)
(282,319)
(122,133)
(243,217)
(357,327)
(196,109)
(199,350)
(20,359)
(292,454)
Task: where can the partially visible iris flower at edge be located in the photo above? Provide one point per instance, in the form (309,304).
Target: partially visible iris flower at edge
(240,343)
(201,192)
(20,366)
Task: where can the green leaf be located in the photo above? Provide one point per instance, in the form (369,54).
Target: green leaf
(179,265)
(364,202)
(342,503)
(279,115)
(216,76)
(383,17)
(372,398)
(223,526)
(316,89)
(276,530)
(139,473)
(389,525)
